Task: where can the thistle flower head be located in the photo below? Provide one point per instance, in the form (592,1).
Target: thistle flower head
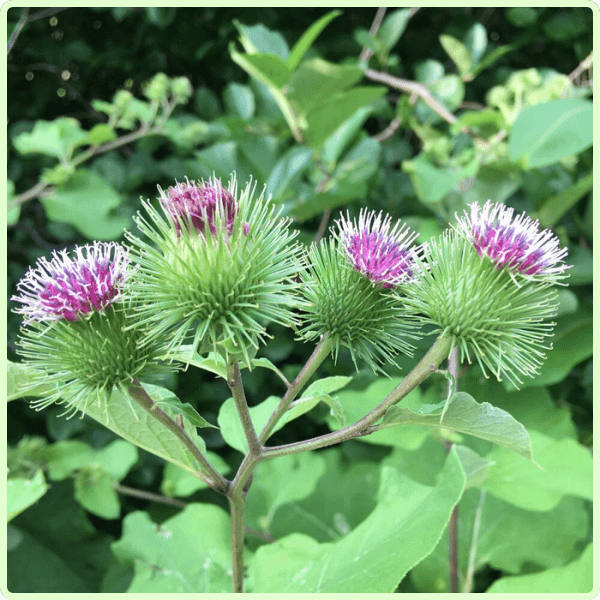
(513,243)
(216,292)
(201,204)
(500,323)
(376,249)
(74,335)
(72,287)
(344,304)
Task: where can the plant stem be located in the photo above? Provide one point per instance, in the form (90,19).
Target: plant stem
(316,358)
(234,381)
(215,479)
(453,524)
(237,505)
(145,495)
(436,354)
(474,539)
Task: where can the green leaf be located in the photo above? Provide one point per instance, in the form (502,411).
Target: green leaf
(56,138)
(86,202)
(343,498)
(582,271)
(572,343)
(431,184)
(544,133)
(117,458)
(393,26)
(180,483)
(214,363)
(258,38)
(21,493)
(100,134)
(566,469)
(521,16)
(231,426)
(288,170)
(308,37)
(254,67)
(458,52)
(476,41)
(465,415)
(65,457)
(357,403)
(338,141)
(509,539)
(239,100)
(128,420)
(94,490)
(325,119)
(279,481)
(492,57)
(265,363)
(573,578)
(449,91)
(164,398)
(316,81)
(20,376)
(553,209)
(476,467)
(403,529)
(188,553)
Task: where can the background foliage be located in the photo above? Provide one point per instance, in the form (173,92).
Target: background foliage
(511,122)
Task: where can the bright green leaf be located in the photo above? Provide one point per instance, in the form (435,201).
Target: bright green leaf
(56,138)
(100,134)
(86,202)
(464,415)
(21,493)
(288,170)
(188,553)
(117,458)
(566,469)
(164,397)
(393,26)
(94,490)
(325,119)
(20,375)
(403,529)
(476,41)
(260,39)
(308,37)
(239,100)
(430,182)
(573,578)
(338,141)
(544,133)
(476,467)
(67,456)
(458,52)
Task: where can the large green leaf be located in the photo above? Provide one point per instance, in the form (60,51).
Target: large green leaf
(86,201)
(555,207)
(288,170)
(325,119)
(403,529)
(95,491)
(279,481)
(188,553)
(19,376)
(463,414)
(344,496)
(128,420)
(545,133)
(21,493)
(566,469)
(576,577)
(508,538)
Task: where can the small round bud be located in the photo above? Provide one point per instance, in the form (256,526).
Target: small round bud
(181,89)
(157,88)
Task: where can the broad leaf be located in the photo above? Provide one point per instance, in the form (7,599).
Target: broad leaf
(308,37)
(566,469)
(94,490)
(545,133)
(128,420)
(56,138)
(188,553)
(20,376)
(403,529)
(458,52)
(464,415)
(573,578)
(555,207)
(279,481)
(21,493)
(392,28)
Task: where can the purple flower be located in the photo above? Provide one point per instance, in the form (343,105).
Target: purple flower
(376,250)
(513,243)
(200,203)
(68,288)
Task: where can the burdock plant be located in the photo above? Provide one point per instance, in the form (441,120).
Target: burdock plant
(217,265)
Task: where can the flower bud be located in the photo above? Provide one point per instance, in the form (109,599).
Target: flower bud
(346,288)
(74,331)
(220,269)
(487,285)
